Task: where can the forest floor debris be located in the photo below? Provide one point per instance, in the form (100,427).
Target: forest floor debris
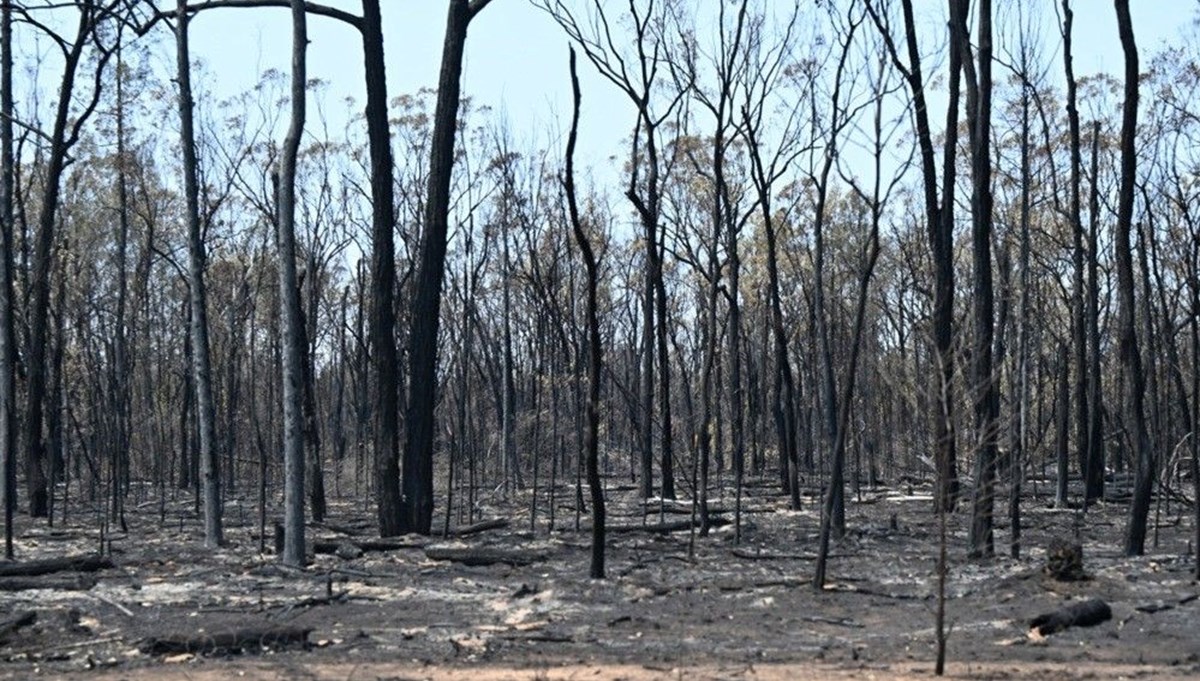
(495,600)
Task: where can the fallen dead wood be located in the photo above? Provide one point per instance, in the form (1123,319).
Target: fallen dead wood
(1087,613)
(539,637)
(1161,606)
(664,528)
(331,545)
(312,602)
(484,556)
(12,624)
(54,582)
(248,639)
(868,591)
(35,568)
(104,599)
(767,555)
(818,619)
(481,526)
(357,528)
(674,507)
(785,582)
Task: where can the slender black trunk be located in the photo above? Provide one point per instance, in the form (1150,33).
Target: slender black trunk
(594,349)
(1131,361)
(8,411)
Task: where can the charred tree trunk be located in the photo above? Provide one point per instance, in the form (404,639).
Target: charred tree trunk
(289,301)
(386,381)
(314,474)
(1131,361)
(783,391)
(64,134)
(8,395)
(939,220)
(198,298)
(595,351)
(838,465)
(979,106)
(417,501)
(1062,421)
(1093,468)
(1090,468)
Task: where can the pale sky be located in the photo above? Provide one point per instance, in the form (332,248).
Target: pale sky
(516,56)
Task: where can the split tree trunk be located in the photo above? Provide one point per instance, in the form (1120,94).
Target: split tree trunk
(983,387)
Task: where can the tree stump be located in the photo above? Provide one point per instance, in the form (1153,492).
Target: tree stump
(1064,560)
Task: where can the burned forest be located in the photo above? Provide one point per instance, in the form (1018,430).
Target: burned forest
(606,339)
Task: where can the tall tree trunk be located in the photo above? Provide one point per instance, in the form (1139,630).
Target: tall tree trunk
(783,402)
(1194,284)
(8,396)
(289,300)
(666,453)
(1021,441)
(385,378)
(838,464)
(868,258)
(979,106)
(1131,361)
(233,364)
(62,137)
(508,448)
(314,474)
(1149,340)
(939,220)
(646,457)
(822,315)
(595,352)
(417,502)
(201,369)
(121,366)
(1062,420)
(1091,470)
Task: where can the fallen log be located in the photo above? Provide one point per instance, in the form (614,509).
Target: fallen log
(1087,613)
(484,556)
(55,582)
(667,527)
(249,639)
(35,568)
(675,507)
(12,624)
(332,544)
(758,554)
(481,526)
